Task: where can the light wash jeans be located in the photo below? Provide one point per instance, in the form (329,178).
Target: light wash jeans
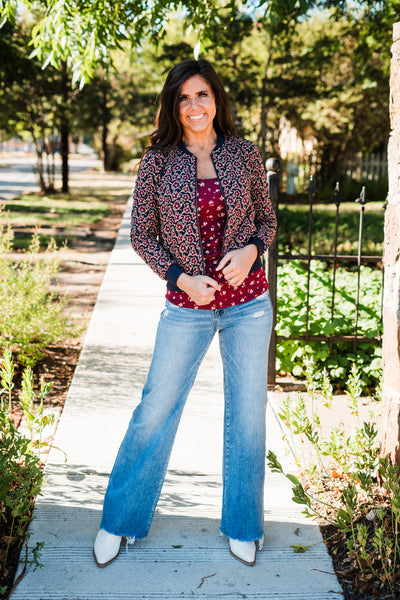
(183,337)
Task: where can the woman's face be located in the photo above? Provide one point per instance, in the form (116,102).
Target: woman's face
(196,106)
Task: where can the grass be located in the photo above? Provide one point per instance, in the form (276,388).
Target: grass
(293,228)
(61,213)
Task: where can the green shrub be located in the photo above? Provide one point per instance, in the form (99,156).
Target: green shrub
(292,315)
(31,316)
(293,229)
(345,483)
(376,190)
(20,481)
(21,474)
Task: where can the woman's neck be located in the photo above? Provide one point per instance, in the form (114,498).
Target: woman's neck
(200,143)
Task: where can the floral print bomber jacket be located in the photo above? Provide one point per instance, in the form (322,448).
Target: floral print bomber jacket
(165,227)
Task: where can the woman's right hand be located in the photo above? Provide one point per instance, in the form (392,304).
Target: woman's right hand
(200,288)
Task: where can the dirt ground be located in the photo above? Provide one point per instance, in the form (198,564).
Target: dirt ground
(82,267)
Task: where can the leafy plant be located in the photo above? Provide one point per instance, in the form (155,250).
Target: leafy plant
(36,420)
(21,475)
(31,316)
(7,378)
(20,481)
(344,482)
(292,317)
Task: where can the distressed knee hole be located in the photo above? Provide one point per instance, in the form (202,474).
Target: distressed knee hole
(258,314)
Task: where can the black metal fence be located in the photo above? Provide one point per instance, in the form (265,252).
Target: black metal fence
(334,259)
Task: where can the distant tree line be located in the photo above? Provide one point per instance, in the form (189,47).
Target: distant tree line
(325,70)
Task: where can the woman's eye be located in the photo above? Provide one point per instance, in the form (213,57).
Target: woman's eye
(182,98)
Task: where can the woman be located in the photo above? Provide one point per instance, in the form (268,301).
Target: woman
(201,219)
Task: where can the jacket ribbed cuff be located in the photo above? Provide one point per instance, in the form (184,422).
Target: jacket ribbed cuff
(173,273)
(259,243)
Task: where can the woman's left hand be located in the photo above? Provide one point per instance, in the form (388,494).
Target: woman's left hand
(236,264)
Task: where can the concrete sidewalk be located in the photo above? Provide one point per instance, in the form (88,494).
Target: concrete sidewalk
(184,555)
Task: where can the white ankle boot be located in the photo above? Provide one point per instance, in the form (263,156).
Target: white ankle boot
(245,551)
(106,548)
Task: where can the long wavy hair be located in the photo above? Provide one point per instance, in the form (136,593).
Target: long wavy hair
(169,130)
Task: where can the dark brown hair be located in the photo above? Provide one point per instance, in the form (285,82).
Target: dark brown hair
(168,127)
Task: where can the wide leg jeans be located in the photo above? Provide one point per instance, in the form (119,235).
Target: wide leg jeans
(183,337)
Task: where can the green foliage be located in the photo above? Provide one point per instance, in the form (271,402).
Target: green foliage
(124,102)
(34,92)
(293,229)
(350,77)
(21,475)
(20,482)
(85,35)
(35,419)
(376,190)
(341,479)
(7,378)
(31,316)
(292,316)
(33,406)
(325,70)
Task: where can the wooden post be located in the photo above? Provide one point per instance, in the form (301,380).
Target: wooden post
(390,442)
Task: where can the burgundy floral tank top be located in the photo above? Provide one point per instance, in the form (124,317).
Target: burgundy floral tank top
(212,218)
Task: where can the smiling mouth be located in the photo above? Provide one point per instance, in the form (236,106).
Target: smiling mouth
(197,117)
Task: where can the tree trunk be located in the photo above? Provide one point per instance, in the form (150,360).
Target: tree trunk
(263,121)
(104,132)
(64,129)
(39,162)
(390,443)
(262,141)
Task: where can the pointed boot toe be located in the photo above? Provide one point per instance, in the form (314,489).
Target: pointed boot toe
(106,548)
(245,552)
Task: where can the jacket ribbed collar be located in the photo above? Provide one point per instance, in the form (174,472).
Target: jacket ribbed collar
(220,142)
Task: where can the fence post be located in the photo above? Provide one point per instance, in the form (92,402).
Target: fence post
(337,198)
(273,166)
(363,201)
(312,190)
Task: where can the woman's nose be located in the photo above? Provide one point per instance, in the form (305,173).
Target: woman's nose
(193,102)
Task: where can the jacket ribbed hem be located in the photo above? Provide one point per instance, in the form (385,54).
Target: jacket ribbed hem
(171,285)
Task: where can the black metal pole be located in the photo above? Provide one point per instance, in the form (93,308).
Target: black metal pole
(273,167)
(311,189)
(337,198)
(363,201)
